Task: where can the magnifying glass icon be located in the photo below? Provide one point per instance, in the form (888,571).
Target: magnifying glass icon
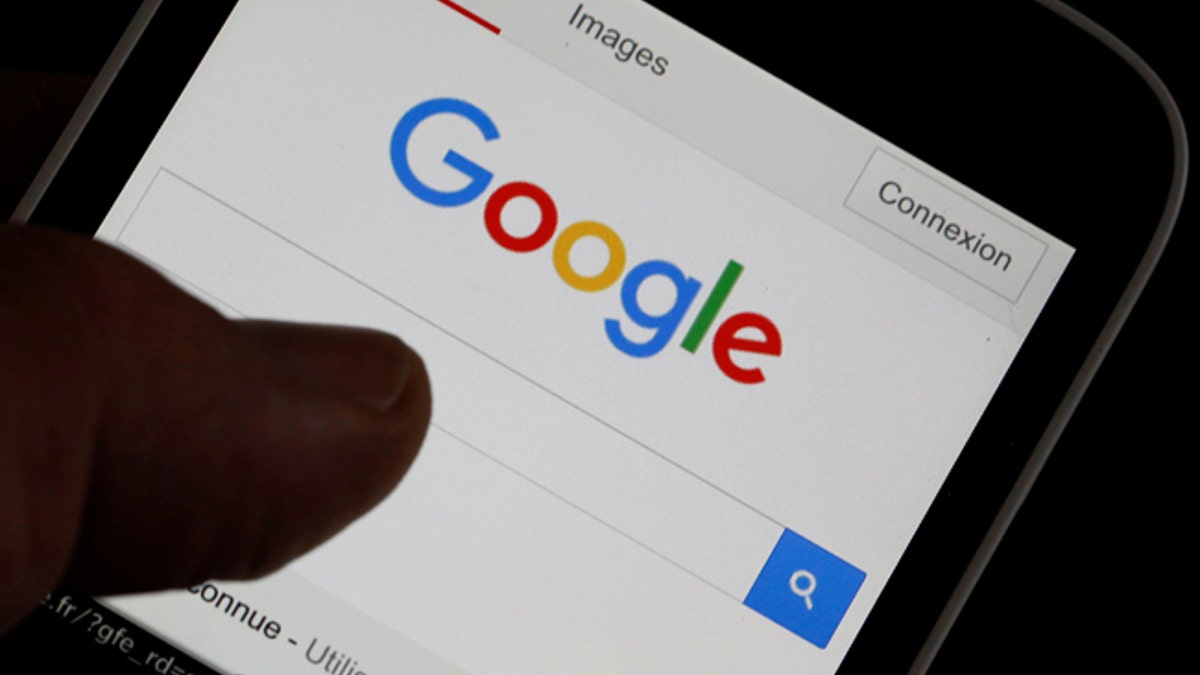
(805,591)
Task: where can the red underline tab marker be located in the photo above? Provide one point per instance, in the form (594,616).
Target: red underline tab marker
(471,15)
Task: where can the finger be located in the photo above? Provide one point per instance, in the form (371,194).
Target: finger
(358,363)
(34,109)
(153,443)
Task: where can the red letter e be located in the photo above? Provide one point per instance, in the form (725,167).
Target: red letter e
(726,340)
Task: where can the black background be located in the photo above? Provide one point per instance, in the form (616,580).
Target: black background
(1094,572)
(1097,556)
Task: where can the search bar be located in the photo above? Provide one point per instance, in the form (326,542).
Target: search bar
(525,427)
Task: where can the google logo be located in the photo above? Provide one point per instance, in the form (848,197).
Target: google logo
(745,332)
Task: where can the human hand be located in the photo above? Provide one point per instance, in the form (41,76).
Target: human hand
(147,442)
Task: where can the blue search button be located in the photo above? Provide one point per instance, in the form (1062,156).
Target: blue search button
(805,588)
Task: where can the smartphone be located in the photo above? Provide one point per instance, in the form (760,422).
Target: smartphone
(740,363)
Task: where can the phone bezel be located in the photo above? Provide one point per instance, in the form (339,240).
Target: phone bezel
(1061,346)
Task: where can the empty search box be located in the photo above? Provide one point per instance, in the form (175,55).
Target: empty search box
(946,225)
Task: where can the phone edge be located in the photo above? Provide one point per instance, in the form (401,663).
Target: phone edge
(1096,354)
(83,114)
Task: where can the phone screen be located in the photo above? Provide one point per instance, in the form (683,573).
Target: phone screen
(703,351)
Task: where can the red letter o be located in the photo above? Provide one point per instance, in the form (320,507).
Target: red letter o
(545,228)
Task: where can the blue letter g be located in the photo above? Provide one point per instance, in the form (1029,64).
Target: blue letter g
(480,177)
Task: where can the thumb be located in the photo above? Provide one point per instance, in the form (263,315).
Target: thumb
(147,442)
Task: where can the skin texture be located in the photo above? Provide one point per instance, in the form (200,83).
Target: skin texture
(147,442)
